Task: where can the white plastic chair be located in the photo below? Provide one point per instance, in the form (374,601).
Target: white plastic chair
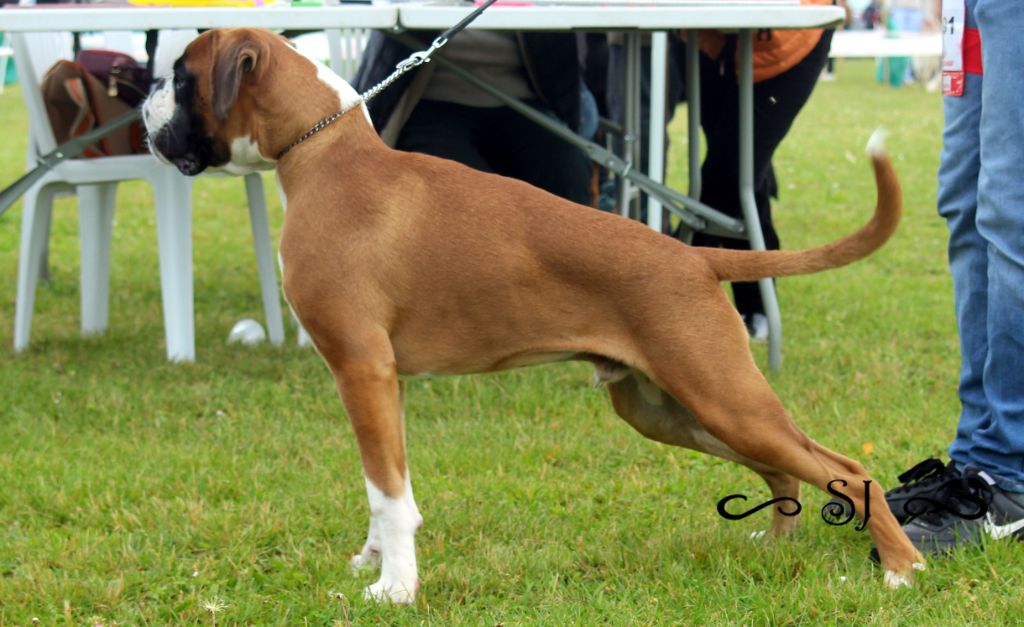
(95,183)
(346,46)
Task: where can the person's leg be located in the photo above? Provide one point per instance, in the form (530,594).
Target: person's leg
(719,116)
(901,19)
(720,170)
(968,257)
(959,166)
(445,130)
(747,295)
(998,447)
(777,101)
(518,147)
(981,196)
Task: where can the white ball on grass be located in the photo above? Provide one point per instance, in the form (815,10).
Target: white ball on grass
(248,332)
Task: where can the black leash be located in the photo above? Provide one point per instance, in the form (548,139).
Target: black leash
(68,150)
(465,21)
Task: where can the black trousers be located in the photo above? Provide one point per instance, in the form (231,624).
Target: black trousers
(777,101)
(499,140)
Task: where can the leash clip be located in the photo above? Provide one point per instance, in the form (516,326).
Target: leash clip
(414,60)
(423,56)
(437,43)
(417,59)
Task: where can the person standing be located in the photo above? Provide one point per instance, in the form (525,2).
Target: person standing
(787,64)
(981,196)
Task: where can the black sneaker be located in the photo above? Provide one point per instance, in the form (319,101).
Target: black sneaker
(919,486)
(915,497)
(968,508)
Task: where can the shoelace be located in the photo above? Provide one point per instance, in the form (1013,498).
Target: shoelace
(927,472)
(964,497)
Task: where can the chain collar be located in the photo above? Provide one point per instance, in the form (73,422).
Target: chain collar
(319,126)
(416,59)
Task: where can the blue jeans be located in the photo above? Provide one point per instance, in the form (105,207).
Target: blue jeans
(981,195)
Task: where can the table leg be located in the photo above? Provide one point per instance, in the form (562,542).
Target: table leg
(656,127)
(749,204)
(693,117)
(631,121)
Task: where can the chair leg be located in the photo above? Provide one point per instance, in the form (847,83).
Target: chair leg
(264,257)
(173,195)
(304,340)
(35,221)
(44,254)
(96,220)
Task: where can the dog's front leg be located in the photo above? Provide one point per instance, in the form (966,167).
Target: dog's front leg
(396,519)
(368,559)
(370,390)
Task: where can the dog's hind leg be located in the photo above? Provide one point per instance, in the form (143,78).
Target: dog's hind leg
(715,376)
(660,417)
(364,370)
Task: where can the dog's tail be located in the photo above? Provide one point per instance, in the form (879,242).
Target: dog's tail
(746,265)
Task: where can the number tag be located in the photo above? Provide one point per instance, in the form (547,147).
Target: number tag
(953,15)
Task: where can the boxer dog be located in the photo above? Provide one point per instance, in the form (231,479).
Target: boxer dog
(401,264)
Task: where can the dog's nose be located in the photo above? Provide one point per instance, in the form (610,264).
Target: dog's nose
(188,165)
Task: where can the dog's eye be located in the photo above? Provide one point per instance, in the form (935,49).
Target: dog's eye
(179,83)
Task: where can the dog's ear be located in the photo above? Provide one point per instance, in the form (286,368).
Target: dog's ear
(242,59)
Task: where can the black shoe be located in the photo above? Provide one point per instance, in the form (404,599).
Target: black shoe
(968,509)
(920,484)
(914,497)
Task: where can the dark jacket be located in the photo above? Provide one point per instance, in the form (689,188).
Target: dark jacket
(556,83)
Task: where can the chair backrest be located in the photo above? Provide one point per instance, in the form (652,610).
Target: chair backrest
(34,53)
(170,45)
(346,47)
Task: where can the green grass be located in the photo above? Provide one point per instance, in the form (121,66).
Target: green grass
(136,491)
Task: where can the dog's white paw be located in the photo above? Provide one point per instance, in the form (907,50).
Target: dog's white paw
(392,592)
(368,560)
(894,581)
(758,535)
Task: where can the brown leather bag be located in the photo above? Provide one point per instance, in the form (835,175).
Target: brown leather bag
(77,102)
(123,76)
